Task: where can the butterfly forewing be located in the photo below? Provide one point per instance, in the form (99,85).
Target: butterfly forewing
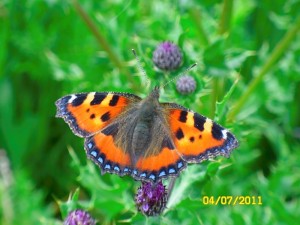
(196,137)
(88,113)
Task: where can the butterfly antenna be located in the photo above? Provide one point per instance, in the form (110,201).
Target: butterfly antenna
(141,69)
(179,75)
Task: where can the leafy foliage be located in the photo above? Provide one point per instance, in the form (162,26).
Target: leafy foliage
(247,78)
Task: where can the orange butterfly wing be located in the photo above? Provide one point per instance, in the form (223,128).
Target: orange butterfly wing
(166,163)
(91,115)
(88,113)
(196,137)
(103,151)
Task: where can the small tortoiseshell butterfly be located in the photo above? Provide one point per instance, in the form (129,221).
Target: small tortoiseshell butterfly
(144,138)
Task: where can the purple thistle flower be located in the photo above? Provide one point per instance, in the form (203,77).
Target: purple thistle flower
(79,217)
(151,198)
(186,84)
(167,56)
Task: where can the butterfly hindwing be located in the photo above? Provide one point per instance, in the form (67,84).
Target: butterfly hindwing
(166,163)
(101,149)
(196,137)
(88,113)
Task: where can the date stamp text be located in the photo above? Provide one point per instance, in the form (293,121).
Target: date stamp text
(232,200)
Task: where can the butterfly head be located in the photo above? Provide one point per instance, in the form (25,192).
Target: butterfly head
(155,92)
(149,105)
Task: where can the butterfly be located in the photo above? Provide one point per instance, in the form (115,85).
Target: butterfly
(127,135)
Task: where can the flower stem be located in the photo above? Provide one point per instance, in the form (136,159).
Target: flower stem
(224,25)
(101,39)
(214,97)
(277,53)
(226,15)
(216,93)
(196,16)
(170,187)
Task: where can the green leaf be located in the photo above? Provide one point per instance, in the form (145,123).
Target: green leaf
(212,168)
(221,107)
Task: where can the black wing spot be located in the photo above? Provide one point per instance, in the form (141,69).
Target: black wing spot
(183,116)
(92,116)
(98,98)
(199,122)
(192,139)
(216,131)
(105,117)
(200,136)
(79,99)
(114,100)
(88,110)
(179,134)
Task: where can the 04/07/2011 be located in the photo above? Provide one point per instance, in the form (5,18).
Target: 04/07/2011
(232,200)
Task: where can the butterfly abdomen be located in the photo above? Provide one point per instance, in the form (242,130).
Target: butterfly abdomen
(140,138)
(143,126)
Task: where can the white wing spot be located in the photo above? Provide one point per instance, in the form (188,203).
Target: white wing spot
(171,170)
(162,173)
(100,160)
(94,153)
(73,97)
(180,164)
(224,132)
(152,177)
(143,175)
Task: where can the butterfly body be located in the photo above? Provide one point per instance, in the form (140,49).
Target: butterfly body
(144,138)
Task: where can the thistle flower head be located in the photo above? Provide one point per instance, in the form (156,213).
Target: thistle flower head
(151,198)
(186,84)
(79,217)
(167,56)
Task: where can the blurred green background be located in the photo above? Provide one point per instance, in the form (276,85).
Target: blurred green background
(52,48)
